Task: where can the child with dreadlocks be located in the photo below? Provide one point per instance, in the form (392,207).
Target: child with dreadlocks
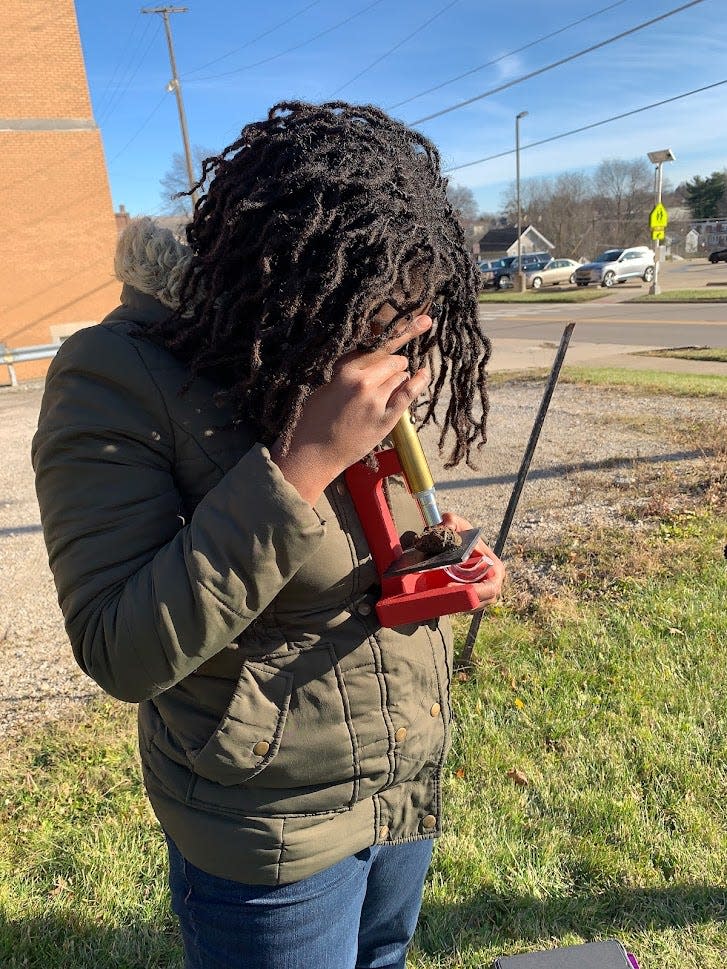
(208,558)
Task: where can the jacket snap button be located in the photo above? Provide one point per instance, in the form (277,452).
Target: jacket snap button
(383,832)
(435,710)
(400,734)
(429,822)
(363,609)
(261,748)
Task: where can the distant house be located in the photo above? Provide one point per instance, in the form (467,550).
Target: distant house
(712,233)
(473,230)
(502,241)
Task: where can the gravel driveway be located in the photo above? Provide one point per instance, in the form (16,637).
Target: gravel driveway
(597,448)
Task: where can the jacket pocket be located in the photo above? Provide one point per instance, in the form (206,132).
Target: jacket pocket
(312,766)
(248,737)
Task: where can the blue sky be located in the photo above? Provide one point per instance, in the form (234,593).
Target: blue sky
(235,60)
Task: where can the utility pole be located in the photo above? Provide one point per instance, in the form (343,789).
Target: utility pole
(175,86)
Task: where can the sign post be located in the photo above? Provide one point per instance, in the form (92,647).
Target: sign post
(658,221)
(658,217)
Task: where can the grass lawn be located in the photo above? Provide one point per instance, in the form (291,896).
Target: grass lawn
(631,381)
(588,779)
(717,354)
(585,790)
(553,295)
(685,296)
(648,381)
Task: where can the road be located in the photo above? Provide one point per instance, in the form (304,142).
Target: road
(616,321)
(626,324)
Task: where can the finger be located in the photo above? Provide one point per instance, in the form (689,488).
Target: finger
(410,329)
(405,393)
(460,524)
(487,592)
(494,575)
(372,371)
(457,522)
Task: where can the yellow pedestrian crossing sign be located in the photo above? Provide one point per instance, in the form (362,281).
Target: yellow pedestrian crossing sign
(658,217)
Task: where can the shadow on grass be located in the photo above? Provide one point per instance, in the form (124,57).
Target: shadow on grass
(72,942)
(489,919)
(560,469)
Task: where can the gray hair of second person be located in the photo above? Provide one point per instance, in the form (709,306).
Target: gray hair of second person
(150,258)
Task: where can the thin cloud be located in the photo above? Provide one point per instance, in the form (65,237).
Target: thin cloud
(509,67)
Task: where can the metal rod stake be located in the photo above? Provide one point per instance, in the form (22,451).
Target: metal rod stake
(466,655)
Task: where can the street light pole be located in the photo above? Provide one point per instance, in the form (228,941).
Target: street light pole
(175,86)
(658,158)
(520,273)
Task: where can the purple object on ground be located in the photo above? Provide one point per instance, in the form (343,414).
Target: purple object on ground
(632,959)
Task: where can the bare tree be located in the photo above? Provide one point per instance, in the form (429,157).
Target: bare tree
(581,214)
(559,207)
(463,201)
(176,180)
(624,195)
(465,204)
(570,214)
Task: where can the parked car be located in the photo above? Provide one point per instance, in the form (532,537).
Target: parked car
(553,273)
(486,268)
(618,265)
(719,255)
(489,269)
(503,278)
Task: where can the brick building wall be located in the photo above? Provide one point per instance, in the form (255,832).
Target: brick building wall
(58,226)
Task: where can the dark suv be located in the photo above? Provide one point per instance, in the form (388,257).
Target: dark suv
(489,271)
(503,278)
(719,255)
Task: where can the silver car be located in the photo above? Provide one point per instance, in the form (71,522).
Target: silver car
(554,273)
(618,265)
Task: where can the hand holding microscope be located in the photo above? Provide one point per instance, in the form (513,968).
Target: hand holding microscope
(436,575)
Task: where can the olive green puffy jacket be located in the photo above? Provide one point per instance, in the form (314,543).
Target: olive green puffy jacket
(281,728)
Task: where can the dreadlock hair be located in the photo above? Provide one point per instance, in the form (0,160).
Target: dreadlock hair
(311,222)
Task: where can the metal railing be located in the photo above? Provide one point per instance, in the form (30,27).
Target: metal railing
(9,356)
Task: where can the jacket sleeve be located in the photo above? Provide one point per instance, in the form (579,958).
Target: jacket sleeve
(146,601)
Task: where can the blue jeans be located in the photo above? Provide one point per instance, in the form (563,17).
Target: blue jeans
(358,914)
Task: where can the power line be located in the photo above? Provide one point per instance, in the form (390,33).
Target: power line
(122,60)
(140,128)
(518,50)
(563,60)
(288,50)
(586,127)
(254,40)
(119,92)
(401,44)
